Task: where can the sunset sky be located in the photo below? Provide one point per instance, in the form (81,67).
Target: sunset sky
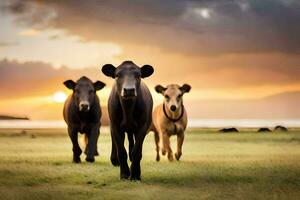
(232,52)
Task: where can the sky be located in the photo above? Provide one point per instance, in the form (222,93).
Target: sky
(234,51)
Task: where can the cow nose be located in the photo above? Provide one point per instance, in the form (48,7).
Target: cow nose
(129,92)
(84,107)
(173,108)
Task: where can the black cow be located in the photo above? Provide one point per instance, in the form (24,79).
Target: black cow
(281,128)
(82,114)
(130,108)
(228,130)
(264,129)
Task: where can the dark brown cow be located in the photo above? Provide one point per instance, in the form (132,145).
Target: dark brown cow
(130,107)
(82,114)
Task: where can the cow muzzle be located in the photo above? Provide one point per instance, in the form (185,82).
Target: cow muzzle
(173,108)
(129,92)
(84,106)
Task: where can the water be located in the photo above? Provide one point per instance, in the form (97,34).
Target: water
(193,123)
(243,123)
(32,124)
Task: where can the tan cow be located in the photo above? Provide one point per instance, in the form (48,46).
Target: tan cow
(170,118)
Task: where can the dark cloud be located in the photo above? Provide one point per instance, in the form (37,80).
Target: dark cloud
(36,78)
(15,6)
(232,26)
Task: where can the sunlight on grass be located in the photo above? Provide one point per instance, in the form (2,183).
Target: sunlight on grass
(213,166)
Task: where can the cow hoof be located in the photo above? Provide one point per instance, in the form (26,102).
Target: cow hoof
(86,152)
(177,156)
(115,162)
(157,158)
(133,178)
(76,160)
(170,157)
(91,160)
(124,176)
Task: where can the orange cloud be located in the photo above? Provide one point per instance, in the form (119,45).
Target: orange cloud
(29,32)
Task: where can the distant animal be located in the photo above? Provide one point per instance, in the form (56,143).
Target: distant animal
(23,132)
(82,114)
(264,129)
(170,118)
(130,106)
(281,128)
(228,130)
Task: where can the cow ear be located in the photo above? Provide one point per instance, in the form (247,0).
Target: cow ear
(109,70)
(185,88)
(160,89)
(146,71)
(98,85)
(70,84)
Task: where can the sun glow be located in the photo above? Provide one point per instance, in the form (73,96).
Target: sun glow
(59,97)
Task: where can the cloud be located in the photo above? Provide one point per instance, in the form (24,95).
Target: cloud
(25,79)
(8,44)
(29,32)
(224,27)
(198,12)
(55,37)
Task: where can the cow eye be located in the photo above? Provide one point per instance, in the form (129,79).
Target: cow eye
(167,97)
(179,97)
(117,75)
(137,75)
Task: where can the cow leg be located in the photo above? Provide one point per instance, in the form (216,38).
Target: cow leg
(92,143)
(86,141)
(180,138)
(131,145)
(76,149)
(167,146)
(119,138)
(156,138)
(114,151)
(96,153)
(135,167)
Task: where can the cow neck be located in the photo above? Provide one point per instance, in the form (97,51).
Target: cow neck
(176,116)
(128,106)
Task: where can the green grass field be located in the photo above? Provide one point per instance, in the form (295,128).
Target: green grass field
(213,166)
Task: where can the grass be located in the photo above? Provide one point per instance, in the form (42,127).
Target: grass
(214,166)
